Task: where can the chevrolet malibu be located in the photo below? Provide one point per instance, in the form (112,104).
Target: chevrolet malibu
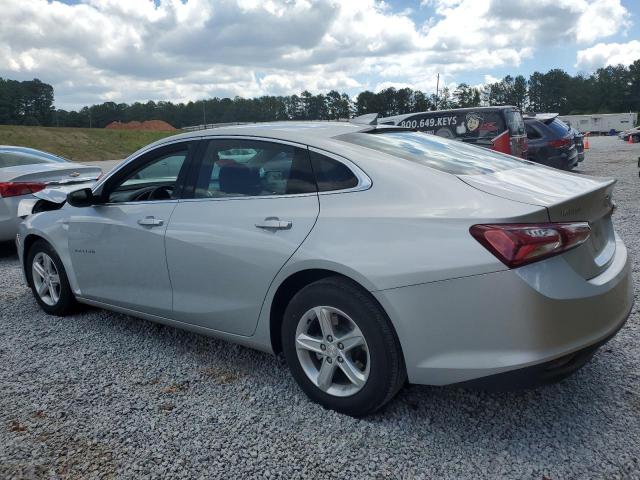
(366,255)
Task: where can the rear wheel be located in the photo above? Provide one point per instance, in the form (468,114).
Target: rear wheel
(48,280)
(341,348)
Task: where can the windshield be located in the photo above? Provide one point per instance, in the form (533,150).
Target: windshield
(449,156)
(16,159)
(514,122)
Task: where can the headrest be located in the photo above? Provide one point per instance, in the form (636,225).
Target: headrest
(238,178)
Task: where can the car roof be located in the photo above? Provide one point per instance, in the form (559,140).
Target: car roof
(294,131)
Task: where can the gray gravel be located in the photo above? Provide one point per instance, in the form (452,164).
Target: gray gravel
(104,395)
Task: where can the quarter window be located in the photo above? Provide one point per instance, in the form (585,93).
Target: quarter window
(250,168)
(331,174)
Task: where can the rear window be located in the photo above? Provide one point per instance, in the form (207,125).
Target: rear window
(432,151)
(33,152)
(14,159)
(558,127)
(514,122)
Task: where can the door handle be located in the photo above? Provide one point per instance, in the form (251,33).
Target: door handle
(150,222)
(274,223)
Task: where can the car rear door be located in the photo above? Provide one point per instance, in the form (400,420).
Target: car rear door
(117,247)
(252,205)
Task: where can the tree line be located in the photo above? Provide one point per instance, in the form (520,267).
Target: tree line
(608,90)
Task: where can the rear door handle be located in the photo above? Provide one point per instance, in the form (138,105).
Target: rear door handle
(274,223)
(150,222)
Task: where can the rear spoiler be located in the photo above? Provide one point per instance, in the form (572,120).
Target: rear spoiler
(543,117)
(368,119)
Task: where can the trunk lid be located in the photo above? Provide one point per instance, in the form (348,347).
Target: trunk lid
(567,198)
(62,173)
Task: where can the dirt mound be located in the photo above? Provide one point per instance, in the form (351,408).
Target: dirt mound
(152,125)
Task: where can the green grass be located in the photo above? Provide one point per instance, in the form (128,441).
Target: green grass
(80,144)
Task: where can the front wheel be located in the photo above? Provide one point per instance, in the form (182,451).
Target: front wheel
(341,348)
(48,280)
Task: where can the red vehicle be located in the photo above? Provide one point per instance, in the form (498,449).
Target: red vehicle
(498,128)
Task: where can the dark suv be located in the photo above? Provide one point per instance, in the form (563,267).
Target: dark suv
(551,142)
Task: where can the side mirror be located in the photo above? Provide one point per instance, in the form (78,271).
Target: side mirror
(81,198)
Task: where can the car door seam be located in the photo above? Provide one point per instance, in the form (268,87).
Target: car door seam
(164,244)
(266,294)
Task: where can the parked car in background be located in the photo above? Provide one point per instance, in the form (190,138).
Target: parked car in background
(551,142)
(498,128)
(25,171)
(368,255)
(632,132)
(578,140)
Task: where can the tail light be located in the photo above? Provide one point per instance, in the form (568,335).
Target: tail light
(561,143)
(517,244)
(13,189)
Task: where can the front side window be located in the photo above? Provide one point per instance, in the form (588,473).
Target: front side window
(154,180)
(252,168)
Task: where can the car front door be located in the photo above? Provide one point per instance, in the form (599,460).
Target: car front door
(117,246)
(252,205)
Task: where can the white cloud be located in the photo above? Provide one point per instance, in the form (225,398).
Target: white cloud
(600,19)
(605,54)
(125,50)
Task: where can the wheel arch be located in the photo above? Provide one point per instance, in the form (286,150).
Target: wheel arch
(28,242)
(296,282)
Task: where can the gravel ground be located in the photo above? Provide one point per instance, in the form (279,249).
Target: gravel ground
(104,395)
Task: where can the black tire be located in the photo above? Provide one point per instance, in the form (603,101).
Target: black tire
(387,372)
(66,302)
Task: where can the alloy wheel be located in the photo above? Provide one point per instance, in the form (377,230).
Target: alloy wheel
(46,279)
(332,351)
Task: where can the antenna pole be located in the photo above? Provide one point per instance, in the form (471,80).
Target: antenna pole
(437,89)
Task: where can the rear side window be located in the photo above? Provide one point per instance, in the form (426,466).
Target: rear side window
(14,159)
(253,168)
(331,174)
(432,151)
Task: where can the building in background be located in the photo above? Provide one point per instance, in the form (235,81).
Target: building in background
(601,122)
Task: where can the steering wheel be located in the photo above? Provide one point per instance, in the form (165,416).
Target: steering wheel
(163,192)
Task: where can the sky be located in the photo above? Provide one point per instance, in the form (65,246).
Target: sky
(93,51)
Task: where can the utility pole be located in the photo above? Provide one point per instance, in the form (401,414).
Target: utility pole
(204,115)
(437,89)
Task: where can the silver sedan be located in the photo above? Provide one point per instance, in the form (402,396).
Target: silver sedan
(368,256)
(25,171)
